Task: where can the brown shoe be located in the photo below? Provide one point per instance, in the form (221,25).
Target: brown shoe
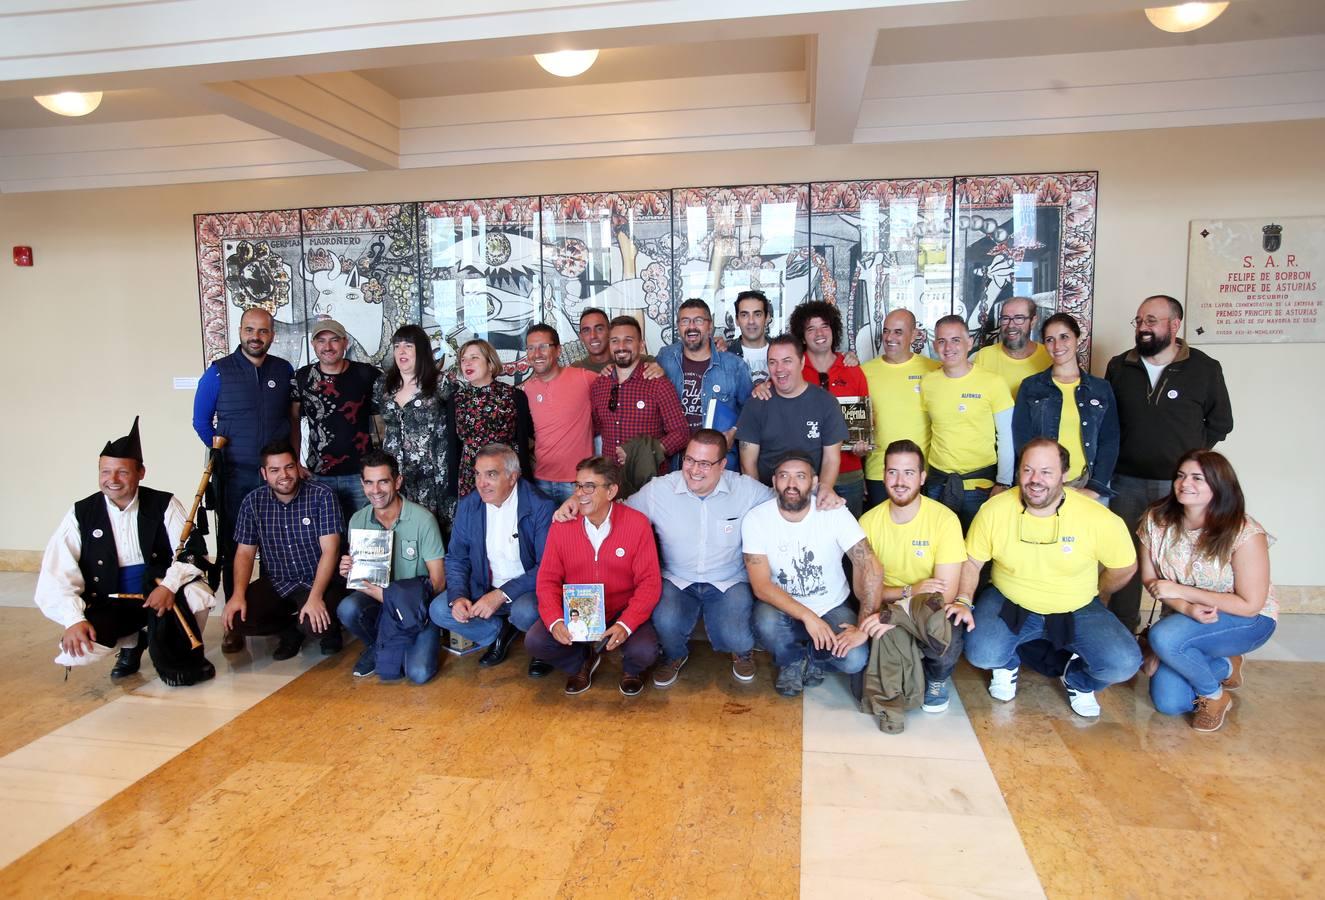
(232,642)
(582,680)
(1211,711)
(1234,679)
(631,685)
(664,674)
(743,667)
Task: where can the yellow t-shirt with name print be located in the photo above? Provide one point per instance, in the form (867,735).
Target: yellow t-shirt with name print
(1012,371)
(961,420)
(895,404)
(910,552)
(1049,564)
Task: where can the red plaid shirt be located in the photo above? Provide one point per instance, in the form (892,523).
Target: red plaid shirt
(642,407)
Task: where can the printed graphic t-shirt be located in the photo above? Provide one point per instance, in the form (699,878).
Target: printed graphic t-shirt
(339,411)
(692,390)
(805,557)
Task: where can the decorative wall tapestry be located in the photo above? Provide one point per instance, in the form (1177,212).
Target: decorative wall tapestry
(490,268)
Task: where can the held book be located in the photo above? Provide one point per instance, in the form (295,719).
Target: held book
(370,558)
(582,607)
(860,421)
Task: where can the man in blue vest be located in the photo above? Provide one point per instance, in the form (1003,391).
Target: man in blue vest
(244,397)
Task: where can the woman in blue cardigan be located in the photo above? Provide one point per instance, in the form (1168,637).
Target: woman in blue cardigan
(1067,403)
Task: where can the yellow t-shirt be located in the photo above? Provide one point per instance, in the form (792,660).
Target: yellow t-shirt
(910,552)
(1012,370)
(895,402)
(1069,429)
(1049,564)
(961,420)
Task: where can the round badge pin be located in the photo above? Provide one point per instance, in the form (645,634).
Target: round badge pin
(97,532)
(717,389)
(961,407)
(409,552)
(1067,548)
(271,383)
(540,398)
(418,402)
(620,551)
(639,404)
(1095,402)
(307,520)
(1173,395)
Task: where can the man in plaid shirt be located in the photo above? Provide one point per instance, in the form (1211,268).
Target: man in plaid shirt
(626,405)
(296,525)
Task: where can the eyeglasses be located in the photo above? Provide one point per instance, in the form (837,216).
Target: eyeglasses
(1021,522)
(614,398)
(697,320)
(702,465)
(1013,320)
(1149,321)
(586,487)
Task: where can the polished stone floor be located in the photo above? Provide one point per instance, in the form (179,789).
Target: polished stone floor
(295,779)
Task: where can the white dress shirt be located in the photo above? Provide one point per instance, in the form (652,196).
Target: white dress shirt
(503,540)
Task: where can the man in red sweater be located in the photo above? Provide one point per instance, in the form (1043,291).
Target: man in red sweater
(612,545)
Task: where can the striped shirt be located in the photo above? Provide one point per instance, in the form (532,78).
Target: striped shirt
(288,535)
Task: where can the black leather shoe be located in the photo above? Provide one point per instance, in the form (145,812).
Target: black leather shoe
(539,669)
(332,643)
(496,654)
(289,645)
(129,659)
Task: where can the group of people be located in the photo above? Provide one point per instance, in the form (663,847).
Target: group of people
(997,510)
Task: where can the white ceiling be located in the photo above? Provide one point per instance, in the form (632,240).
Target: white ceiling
(269,91)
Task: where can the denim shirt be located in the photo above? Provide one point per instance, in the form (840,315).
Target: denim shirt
(727,380)
(1039,406)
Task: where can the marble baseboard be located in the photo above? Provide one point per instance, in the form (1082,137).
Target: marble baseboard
(1301,598)
(20,560)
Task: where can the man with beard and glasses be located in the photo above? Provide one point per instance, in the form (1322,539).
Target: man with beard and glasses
(244,397)
(626,405)
(706,378)
(296,526)
(918,633)
(894,386)
(1055,552)
(1171,399)
(1015,357)
(793,555)
(335,396)
(558,404)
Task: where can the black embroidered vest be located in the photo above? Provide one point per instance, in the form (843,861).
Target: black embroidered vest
(99,559)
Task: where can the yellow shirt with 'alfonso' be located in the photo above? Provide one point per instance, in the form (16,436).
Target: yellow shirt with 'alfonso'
(961,420)
(1049,564)
(895,404)
(909,552)
(1012,371)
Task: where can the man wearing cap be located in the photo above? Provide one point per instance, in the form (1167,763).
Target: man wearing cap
(335,396)
(120,541)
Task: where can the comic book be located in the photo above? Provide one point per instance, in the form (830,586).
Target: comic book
(583,611)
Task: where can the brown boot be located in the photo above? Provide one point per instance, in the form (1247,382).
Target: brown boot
(1211,711)
(582,680)
(1234,679)
(232,642)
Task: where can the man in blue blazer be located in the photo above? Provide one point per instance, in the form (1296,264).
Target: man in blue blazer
(492,559)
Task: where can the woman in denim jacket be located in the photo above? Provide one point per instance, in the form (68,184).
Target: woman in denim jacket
(1092,434)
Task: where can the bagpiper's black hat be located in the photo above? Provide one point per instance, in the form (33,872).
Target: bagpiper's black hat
(127,447)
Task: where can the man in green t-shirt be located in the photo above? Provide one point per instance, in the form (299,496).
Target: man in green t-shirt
(416,552)
(919,541)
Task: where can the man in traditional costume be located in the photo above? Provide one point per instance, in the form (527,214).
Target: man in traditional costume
(109,576)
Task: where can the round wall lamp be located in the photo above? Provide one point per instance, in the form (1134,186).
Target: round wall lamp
(1184,16)
(567,63)
(70,103)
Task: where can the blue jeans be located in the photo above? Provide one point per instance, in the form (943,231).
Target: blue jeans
(1131,497)
(853,492)
(1107,653)
(556,491)
(972,500)
(789,642)
(349,491)
(238,484)
(359,613)
(521,612)
(1193,656)
(726,617)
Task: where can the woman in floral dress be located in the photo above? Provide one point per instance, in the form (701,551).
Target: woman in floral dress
(486,411)
(411,399)
(1208,562)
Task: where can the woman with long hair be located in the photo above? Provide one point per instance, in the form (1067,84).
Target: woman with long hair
(483,411)
(1068,404)
(1208,563)
(411,399)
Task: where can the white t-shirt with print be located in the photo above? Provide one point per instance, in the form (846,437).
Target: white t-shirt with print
(805,557)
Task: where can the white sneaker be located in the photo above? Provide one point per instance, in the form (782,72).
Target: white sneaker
(1003,684)
(1083,702)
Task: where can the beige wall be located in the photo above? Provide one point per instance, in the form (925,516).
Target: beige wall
(109,315)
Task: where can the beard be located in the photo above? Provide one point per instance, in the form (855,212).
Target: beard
(793,501)
(1148,344)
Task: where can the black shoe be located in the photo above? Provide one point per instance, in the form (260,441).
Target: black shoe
(128,660)
(289,645)
(496,654)
(539,669)
(332,643)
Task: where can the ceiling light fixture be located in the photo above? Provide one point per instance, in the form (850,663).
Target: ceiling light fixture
(70,103)
(1184,16)
(567,63)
